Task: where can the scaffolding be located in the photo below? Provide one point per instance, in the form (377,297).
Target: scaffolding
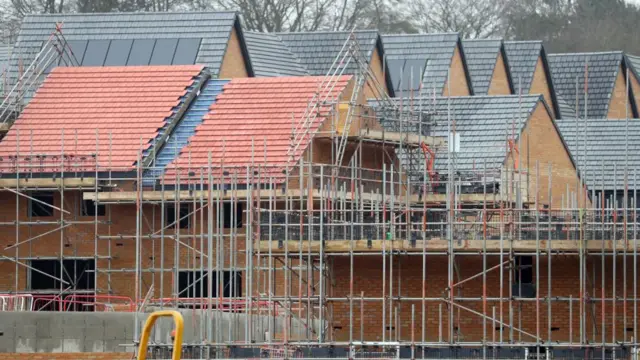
(20,84)
(337,259)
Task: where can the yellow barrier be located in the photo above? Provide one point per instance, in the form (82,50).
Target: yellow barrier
(146,332)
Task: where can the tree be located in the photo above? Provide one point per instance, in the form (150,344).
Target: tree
(91,6)
(471,18)
(537,20)
(12,12)
(311,15)
(575,25)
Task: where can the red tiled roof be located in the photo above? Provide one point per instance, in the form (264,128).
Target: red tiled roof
(258,111)
(121,107)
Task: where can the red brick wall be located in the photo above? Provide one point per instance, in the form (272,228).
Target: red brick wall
(407,282)
(78,241)
(367,278)
(541,143)
(66,356)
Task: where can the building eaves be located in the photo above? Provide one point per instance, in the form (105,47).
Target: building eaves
(630,65)
(483,123)
(552,89)
(568,72)
(270,56)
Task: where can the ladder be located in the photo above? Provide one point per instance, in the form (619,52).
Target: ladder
(361,78)
(27,81)
(301,132)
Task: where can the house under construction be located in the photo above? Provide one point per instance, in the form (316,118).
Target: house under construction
(330,219)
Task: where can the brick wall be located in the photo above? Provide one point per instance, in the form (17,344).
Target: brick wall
(78,241)
(407,283)
(233,63)
(459,84)
(499,80)
(541,142)
(66,356)
(377,72)
(539,84)
(619,99)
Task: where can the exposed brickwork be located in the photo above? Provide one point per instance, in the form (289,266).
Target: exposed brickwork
(499,80)
(619,99)
(539,140)
(541,143)
(539,84)
(377,71)
(407,282)
(78,241)
(66,356)
(459,83)
(233,63)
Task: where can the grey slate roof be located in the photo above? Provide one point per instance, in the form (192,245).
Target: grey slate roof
(602,71)
(523,58)
(634,64)
(605,139)
(5,50)
(271,57)
(213,28)
(482,57)
(434,50)
(483,123)
(318,50)
(566,110)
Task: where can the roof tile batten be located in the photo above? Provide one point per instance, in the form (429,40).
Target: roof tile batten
(112,112)
(251,122)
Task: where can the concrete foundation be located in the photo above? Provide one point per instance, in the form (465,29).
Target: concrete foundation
(55,332)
